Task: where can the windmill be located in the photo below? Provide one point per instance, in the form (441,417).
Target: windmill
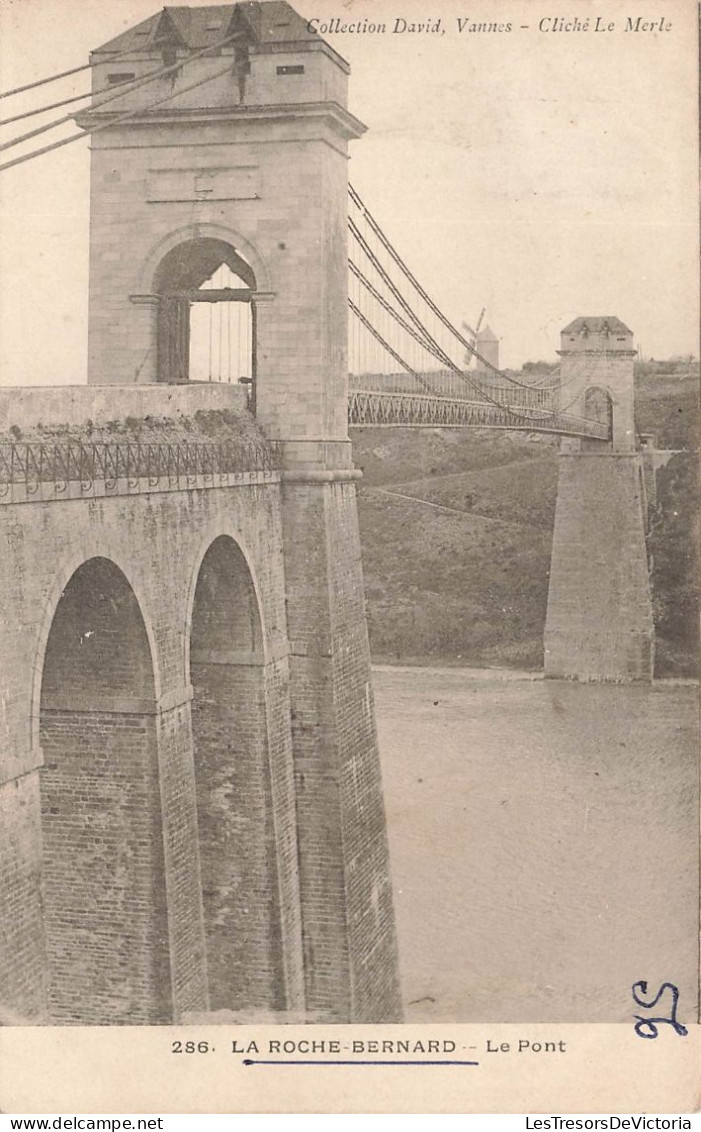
(472,337)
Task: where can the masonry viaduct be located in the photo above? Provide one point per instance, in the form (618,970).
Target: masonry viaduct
(192,810)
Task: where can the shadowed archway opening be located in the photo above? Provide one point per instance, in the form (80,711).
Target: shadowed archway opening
(598,406)
(103,869)
(234,799)
(206,317)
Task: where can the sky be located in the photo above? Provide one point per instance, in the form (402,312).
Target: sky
(539,173)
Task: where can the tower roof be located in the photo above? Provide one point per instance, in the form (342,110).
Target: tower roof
(195,28)
(487,335)
(597,324)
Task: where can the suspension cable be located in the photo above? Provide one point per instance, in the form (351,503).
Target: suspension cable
(116,121)
(435,349)
(135,85)
(390,309)
(397,357)
(50,79)
(438,351)
(113,57)
(65,102)
(360,239)
(441,355)
(355,197)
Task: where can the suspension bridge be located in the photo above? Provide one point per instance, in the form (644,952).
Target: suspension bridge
(407,361)
(409,366)
(189,754)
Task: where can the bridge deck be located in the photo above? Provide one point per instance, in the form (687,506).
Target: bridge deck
(418,410)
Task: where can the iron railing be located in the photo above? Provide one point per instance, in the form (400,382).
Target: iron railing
(443,383)
(414,410)
(63,462)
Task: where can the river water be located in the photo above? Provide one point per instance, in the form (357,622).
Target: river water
(544,843)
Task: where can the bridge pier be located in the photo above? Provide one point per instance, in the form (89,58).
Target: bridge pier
(345,891)
(599,623)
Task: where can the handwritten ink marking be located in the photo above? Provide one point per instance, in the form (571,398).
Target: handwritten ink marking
(647,1027)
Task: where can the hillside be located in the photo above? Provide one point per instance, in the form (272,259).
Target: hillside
(668,406)
(456,529)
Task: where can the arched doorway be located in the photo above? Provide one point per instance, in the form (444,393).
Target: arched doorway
(598,406)
(206,317)
(103,871)
(234,800)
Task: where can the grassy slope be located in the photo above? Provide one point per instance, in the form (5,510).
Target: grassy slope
(465,581)
(668,406)
(458,572)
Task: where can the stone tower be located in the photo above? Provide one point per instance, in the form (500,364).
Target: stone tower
(599,622)
(236,156)
(597,370)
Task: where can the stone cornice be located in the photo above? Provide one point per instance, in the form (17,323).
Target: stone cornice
(601,353)
(340,119)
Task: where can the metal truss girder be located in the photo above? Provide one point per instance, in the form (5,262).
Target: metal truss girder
(368,408)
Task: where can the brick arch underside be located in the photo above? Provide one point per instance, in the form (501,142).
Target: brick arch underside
(238,855)
(103,870)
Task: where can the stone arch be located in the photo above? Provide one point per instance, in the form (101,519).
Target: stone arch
(211,534)
(190,262)
(213,231)
(599,405)
(239,867)
(95,549)
(103,876)
(205,318)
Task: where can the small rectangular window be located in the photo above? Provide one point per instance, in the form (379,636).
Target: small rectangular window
(121,77)
(297,69)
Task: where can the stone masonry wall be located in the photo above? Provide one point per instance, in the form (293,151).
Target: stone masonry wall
(23,976)
(293,234)
(237,843)
(103,876)
(104,896)
(610,371)
(372,940)
(232,773)
(599,619)
(157,540)
(348,927)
